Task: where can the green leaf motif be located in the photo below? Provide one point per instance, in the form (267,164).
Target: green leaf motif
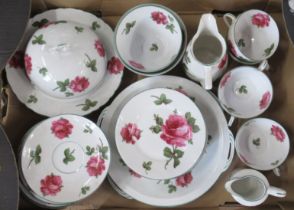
(172,188)
(243,89)
(170,27)
(95,25)
(154,47)
(128,27)
(256,142)
(62,85)
(91,63)
(32,99)
(241,43)
(275,163)
(43,71)
(171,19)
(79,29)
(35,155)
(268,51)
(167,152)
(155,129)
(38,40)
(88,104)
(68,156)
(192,122)
(84,190)
(176,162)
(40,23)
(90,150)
(88,129)
(147,166)
(104,150)
(167,181)
(162,99)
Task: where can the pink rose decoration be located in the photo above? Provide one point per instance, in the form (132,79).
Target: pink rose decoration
(130,133)
(115,66)
(17,60)
(95,166)
(263,103)
(133,173)
(278,133)
(159,18)
(28,63)
(223,62)
(232,49)
(79,84)
(51,185)
(260,20)
(176,131)
(184,180)
(99,47)
(61,128)
(136,65)
(225,79)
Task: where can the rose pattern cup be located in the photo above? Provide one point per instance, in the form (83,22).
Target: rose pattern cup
(51,185)
(61,128)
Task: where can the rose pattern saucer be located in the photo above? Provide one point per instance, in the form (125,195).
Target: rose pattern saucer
(70,162)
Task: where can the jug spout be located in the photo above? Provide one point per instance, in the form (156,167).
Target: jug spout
(207,24)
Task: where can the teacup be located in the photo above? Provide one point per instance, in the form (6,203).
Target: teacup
(257,139)
(245,92)
(150,39)
(252,37)
(65,59)
(251,188)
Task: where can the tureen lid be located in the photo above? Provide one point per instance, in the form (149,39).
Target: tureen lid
(262,144)
(65,59)
(160,133)
(64,158)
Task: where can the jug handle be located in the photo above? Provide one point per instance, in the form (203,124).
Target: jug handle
(229,19)
(277,192)
(208,78)
(263,65)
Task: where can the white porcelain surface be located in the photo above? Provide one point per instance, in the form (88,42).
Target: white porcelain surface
(160,133)
(211,165)
(206,57)
(250,187)
(62,168)
(245,92)
(36,99)
(262,144)
(253,35)
(148,38)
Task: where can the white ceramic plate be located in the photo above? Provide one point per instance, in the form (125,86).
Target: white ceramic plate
(46,105)
(206,172)
(70,162)
(160,133)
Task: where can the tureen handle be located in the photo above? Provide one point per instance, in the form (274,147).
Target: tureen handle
(229,19)
(101,116)
(277,192)
(231,150)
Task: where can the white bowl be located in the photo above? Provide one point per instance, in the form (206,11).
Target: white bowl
(245,92)
(70,162)
(149,38)
(160,133)
(65,59)
(262,144)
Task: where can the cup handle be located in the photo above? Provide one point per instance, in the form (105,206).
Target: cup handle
(277,192)
(229,19)
(263,65)
(208,78)
(231,121)
(231,150)
(277,171)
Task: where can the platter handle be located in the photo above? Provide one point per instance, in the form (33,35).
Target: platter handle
(231,150)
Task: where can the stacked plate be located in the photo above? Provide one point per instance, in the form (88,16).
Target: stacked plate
(68,165)
(152,159)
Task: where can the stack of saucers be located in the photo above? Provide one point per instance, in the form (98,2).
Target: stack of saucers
(160,143)
(68,165)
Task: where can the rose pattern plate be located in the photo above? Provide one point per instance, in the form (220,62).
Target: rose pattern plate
(37,100)
(70,162)
(160,133)
(205,173)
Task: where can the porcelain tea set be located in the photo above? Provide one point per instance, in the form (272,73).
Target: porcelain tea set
(161,133)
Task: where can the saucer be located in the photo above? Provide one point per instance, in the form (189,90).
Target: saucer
(61,168)
(160,133)
(215,160)
(46,105)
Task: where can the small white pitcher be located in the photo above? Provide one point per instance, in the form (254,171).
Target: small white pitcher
(251,188)
(206,54)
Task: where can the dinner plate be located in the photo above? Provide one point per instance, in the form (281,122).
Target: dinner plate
(47,105)
(214,161)
(8,175)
